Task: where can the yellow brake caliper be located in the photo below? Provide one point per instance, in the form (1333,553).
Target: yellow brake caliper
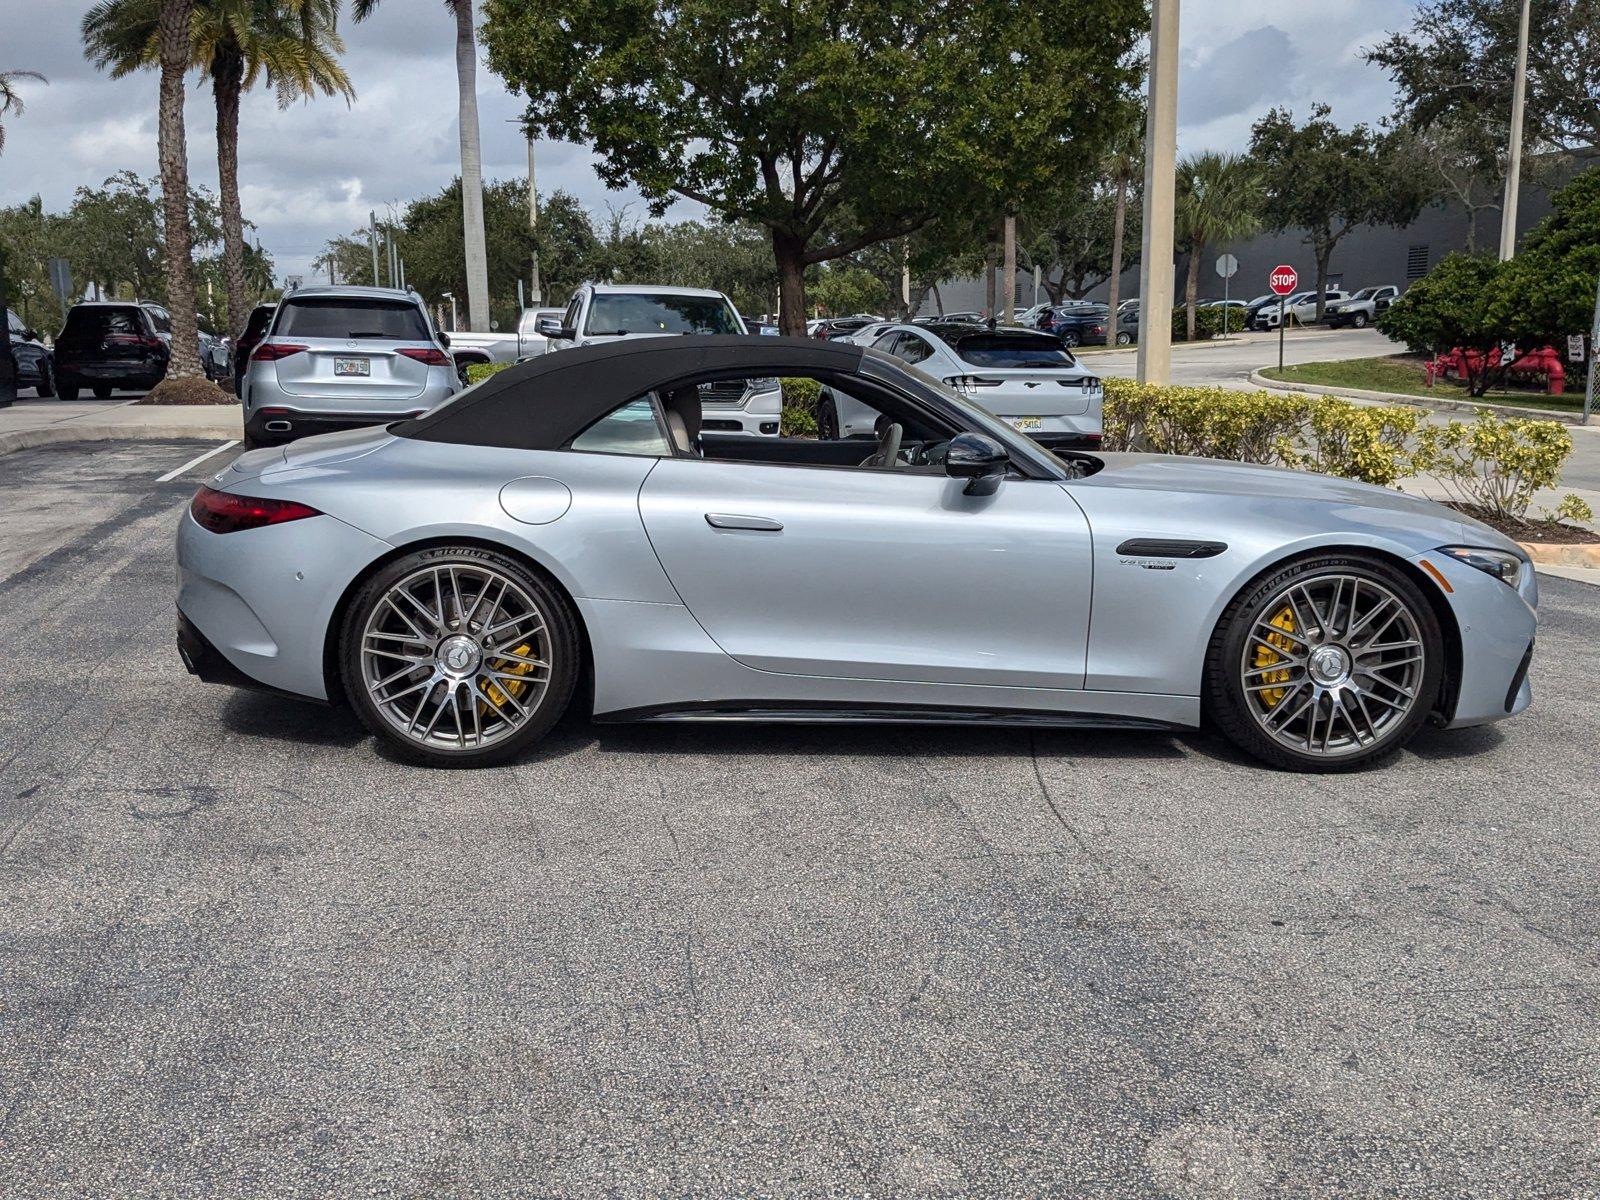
(509,668)
(1266,656)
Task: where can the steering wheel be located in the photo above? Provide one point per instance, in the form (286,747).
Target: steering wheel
(888,452)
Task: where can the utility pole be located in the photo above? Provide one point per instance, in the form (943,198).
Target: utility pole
(1594,340)
(372,237)
(905,278)
(394,273)
(535,289)
(1009,271)
(1508,211)
(1160,184)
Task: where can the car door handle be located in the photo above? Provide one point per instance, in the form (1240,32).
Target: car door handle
(735,521)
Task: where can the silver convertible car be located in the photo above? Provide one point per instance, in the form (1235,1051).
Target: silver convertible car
(571,527)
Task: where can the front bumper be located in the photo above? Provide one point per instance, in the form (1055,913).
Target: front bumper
(1497,625)
(739,421)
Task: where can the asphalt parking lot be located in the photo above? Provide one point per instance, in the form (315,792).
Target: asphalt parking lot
(243,953)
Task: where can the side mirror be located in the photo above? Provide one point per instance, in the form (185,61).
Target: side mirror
(978,459)
(444,340)
(551,327)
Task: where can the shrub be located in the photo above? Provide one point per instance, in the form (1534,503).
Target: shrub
(798,422)
(1496,463)
(801,394)
(1207,323)
(1360,442)
(476,372)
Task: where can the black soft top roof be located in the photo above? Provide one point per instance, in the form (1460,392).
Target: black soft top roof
(545,402)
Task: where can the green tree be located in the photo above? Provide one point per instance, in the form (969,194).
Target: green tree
(1070,236)
(29,236)
(840,290)
(291,44)
(1328,181)
(11,100)
(114,235)
(1453,67)
(1450,307)
(1124,173)
(1218,201)
(1547,292)
(792,116)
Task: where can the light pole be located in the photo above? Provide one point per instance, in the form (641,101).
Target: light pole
(1009,271)
(451,296)
(536,289)
(1508,211)
(1160,185)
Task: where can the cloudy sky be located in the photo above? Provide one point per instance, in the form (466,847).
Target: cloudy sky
(314,171)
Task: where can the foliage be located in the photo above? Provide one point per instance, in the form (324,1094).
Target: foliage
(1449,307)
(841,289)
(1496,463)
(1328,181)
(1068,233)
(1218,201)
(10,99)
(478,372)
(1454,65)
(798,422)
(1547,291)
(801,117)
(801,393)
(1573,509)
(1207,323)
(1333,437)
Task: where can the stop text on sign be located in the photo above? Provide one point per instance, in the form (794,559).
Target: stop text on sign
(1283,280)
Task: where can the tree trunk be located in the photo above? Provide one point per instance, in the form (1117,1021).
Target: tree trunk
(1191,289)
(938,300)
(477,252)
(1324,254)
(1116,262)
(173,153)
(790,253)
(990,269)
(227,77)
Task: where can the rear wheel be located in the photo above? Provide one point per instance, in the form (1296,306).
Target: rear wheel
(1124,339)
(459,656)
(1331,664)
(827,418)
(47,379)
(1069,339)
(102,392)
(67,391)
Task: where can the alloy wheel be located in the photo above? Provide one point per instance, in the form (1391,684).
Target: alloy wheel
(456,657)
(1333,665)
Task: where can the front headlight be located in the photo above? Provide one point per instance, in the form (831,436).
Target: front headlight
(1502,564)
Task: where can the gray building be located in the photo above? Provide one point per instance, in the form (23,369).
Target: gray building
(1366,256)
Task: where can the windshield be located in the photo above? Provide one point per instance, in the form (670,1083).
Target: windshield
(1011,350)
(347,317)
(641,312)
(1365,294)
(98,322)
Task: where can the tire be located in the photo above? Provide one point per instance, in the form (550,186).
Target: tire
(1359,321)
(509,712)
(46,386)
(827,419)
(1069,340)
(67,391)
(1276,696)
(1124,339)
(102,392)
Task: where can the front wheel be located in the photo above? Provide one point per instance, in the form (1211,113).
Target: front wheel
(101,392)
(1359,321)
(459,656)
(1069,340)
(1124,339)
(47,380)
(827,418)
(1330,664)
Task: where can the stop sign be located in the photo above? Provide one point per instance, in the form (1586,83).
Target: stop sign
(1283,279)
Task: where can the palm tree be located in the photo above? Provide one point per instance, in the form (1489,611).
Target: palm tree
(1219,200)
(477,253)
(10,102)
(1124,167)
(294,44)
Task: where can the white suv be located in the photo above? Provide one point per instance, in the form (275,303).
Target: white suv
(1302,307)
(600,314)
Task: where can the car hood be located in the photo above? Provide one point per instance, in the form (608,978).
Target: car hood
(1211,476)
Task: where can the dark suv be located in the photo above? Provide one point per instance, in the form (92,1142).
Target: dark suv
(109,344)
(1076,324)
(35,364)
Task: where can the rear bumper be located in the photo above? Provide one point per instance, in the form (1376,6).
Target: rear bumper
(279,424)
(129,375)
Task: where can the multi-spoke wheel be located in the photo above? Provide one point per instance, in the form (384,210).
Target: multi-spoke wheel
(1326,665)
(458,655)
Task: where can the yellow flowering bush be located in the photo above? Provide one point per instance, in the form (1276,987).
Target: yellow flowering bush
(1359,442)
(1498,463)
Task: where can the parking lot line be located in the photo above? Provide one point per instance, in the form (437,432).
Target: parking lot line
(194,462)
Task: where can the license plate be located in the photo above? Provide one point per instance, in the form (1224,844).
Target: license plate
(352,366)
(1026,423)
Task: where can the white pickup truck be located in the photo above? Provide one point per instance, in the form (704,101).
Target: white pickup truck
(526,342)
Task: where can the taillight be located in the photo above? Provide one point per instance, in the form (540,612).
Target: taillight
(273,351)
(223,512)
(427,355)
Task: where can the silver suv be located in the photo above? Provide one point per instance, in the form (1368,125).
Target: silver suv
(339,357)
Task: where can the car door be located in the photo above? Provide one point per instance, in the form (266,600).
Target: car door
(876,574)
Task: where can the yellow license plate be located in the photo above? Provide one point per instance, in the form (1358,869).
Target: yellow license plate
(1025,424)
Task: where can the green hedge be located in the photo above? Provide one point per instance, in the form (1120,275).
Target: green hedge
(1495,463)
(477,372)
(1207,323)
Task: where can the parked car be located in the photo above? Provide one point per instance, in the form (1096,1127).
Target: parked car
(1028,379)
(868,334)
(255,328)
(1361,309)
(340,357)
(455,578)
(35,361)
(1253,308)
(1302,307)
(1127,323)
(1076,324)
(838,327)
(525,341)
(110,344)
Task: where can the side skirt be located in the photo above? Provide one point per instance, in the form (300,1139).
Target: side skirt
(790,713)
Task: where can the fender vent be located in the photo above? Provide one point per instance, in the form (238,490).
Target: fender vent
(1170,548)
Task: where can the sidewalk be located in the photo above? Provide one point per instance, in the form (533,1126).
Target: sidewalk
(31,422)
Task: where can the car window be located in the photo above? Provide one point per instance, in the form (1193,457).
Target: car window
(258,321)
(912,348)
(14,323)
(159,318)
(98,321)
(632,429)
(887,341)
(1011,350)
(351,317)
(644,312)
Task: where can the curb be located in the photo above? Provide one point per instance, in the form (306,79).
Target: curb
(1564,554)
(1472,406)
(27,439)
